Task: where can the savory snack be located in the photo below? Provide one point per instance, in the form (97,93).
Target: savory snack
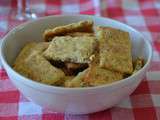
(96,75)
(19,64)
(82,26)
(115,49)
(42,70)
(77,56)
(77,81)
(79,34)
(138,64)
(99,76)
(71,49)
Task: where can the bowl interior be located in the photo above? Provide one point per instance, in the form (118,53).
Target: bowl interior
(33,31)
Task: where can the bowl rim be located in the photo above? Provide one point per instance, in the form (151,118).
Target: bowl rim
(30,81)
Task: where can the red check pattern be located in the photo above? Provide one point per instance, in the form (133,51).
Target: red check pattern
(143,104)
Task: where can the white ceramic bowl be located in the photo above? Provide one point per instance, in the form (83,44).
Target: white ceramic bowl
(71,100)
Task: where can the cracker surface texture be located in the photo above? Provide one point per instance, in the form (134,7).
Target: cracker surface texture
(30,47)
(115,50)
(71,49)
(42,70)
(82,26)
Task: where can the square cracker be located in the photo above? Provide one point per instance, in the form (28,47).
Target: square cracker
(115,49)
(19,65)
(99,76)
(71,49)
(79,34)
(138,64)
(42,70)
(77,81)
(82,26)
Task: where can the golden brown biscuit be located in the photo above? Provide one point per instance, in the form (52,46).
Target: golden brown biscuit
(68,78)
(115,49)
(42,70)
(19,65)
(98,76)
(138,64)
(41,46)
(82,26)
(26,50)
(77,81)
(71,49)
(79,34)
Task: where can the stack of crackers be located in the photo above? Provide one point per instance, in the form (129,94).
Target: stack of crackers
(77,55)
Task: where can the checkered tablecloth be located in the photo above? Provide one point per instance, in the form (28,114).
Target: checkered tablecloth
(144,15)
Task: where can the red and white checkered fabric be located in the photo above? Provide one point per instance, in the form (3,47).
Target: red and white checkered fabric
(143,104)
